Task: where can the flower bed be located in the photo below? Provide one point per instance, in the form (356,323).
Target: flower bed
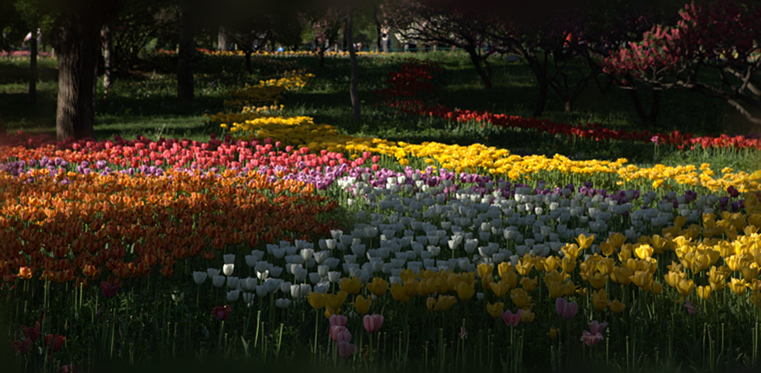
(142,251)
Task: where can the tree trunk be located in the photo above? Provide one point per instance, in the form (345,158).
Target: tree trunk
(649,119)
(355,103)
(476,59)
(33,73)
(77,53)
(108,58)
(541,101)
(185,56)
(222,42)
(248,62)
(321,55)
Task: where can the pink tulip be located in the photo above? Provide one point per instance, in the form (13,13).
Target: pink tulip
(343,336)
(346,349)
(591,339)
(334,330)
(595,327)
(510,318)
(338,320)
(565,309)
(373,322)
(690,307)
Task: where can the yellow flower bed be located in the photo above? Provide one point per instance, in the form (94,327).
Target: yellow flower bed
(267,92)
(302,131)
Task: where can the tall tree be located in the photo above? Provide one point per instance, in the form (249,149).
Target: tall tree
(185,80)
(355,103)
(76,39)
(447,22)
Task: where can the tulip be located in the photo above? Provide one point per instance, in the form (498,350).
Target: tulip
(595,327)
(362,305)
(600,299)
(218,281)
(585,242)
(553,333)
(520,297)
(345,349)
(25,273)
(704,292)
(399,294)
(282,302)
(738,286)
(232,296)
(591,339)
(527,316)
(21,347)
(335,329)
(351,285)
(316,300)
(510,318)
(249,298)
(343,336)
(55,342)
(222,312)
(199,277)
(685,287)
(499,288)
(616,306)
(465,291)
(495,310)
(338,320)
(565,309)
(529,284)
(335,301)
(378,286)
(32,333)
(109,289)
(463,333)
(690,307)
(643,279)
(227,269)
(372,322)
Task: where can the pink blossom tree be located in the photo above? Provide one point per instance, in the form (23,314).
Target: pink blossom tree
(722,38)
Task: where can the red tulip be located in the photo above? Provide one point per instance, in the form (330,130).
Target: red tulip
(109,289)
(55,342)
(222,312)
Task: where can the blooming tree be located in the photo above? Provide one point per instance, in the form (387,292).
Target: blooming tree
(721,37)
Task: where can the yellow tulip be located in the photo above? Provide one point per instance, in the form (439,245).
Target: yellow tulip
(335,301)
(657,288)
(410,287)
(495,310)
(520,297)
(643,279)
(504,268)
(600,299)
(625,252)
(597,280)
(605,266)
(659,244)
(329,312)
(486,280)
(511,279)
(554,276)
(553,333)
(738,286)
(756,298)
(362,305)
(644,251)
(444,302)
(551,263)
(465,291)
(585,242)
(568,265)
(430,303)
(616,306)
(607,249)
(749,272)
(527,316)
(351,285)
(524,267)
(555,289)
(621,275)
(672,278)
(408,275)
(685,287)
(529,284)
(499,288)
(704,292)
(397,291)
(569,287)
(617,239)
(484,269)
(316,300)
(378,286)
(571,251)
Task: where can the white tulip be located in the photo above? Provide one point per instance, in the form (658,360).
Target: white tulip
(199,277)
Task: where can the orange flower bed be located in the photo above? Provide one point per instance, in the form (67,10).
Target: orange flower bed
(79,227)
